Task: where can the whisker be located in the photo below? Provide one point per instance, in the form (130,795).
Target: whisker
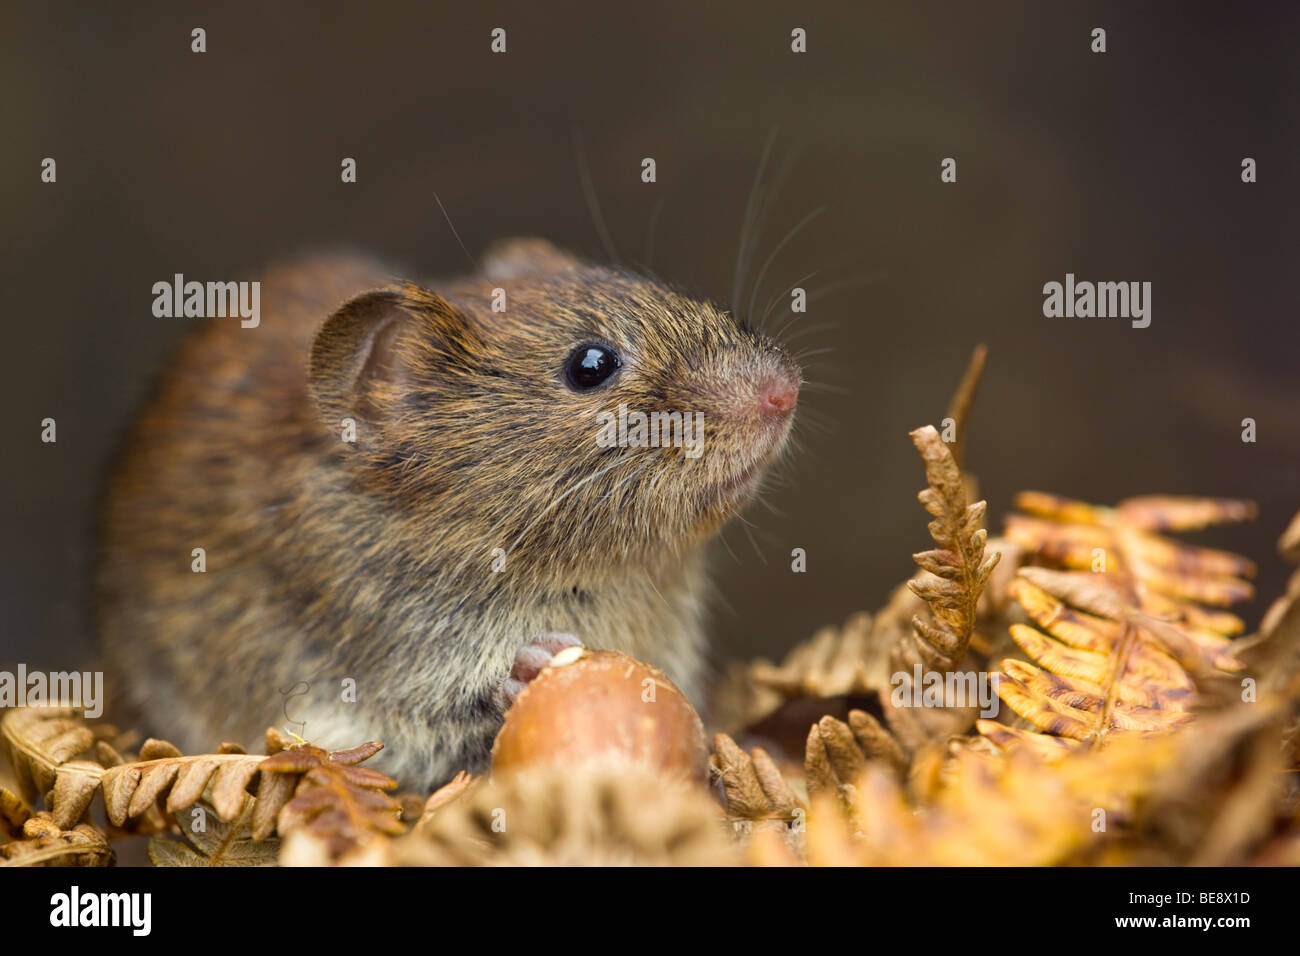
(589,190)
(472,261)
(623,481)
(811,420)
(765,200)
(818,426)
(747,221)
(651,230)
(650,581)
(823,387)
(836,264)
(781,295)
(754,543)
(806,330)
(807,354)
(545,511)
(722,536)
(758,283)
(845,284)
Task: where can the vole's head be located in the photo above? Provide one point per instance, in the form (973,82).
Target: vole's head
(576,418)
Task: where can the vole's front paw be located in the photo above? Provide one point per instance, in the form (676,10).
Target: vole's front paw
(530,658)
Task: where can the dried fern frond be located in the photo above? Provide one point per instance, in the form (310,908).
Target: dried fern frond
(1274,653)
(958,568)
(596,816)
(334,801)
(448,793)
(48,748)
(1223,793)
(987,810)
(1280,629)
(838,753)
(164,777)
(1201,651)
(960,405)
(835,662)
(305,787)
(14,812)
(1127,645)
(1044,746)
(756,792)
(44,843)
(1098,665)
(1167,578)
(1289,544)
(1007,828)
(213,841)
(951,582)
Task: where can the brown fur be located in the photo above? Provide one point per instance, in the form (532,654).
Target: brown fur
(374,561)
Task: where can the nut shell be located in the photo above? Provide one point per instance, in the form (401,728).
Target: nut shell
(591,706)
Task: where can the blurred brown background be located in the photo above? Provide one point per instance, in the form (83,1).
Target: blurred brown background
(1122,166)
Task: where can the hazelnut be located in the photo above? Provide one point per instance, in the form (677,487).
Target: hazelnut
(601,706)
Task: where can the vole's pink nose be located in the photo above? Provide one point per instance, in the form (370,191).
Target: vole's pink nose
(778,397)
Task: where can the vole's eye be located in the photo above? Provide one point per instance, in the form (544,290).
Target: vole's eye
(590,365)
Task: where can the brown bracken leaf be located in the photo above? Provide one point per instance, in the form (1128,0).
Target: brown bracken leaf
(1274,653)
(45,843)
(1100,666)
(14,812)
(951,582)
(593,815)
(41,744)
(962,400)
(1222,795)
(132,789)
(1130,637)
(213,841)
(335,801)
(834,662)
(754,787)
(958,568)
(1011,809)
(446,794)
(1167,578)
(838,753)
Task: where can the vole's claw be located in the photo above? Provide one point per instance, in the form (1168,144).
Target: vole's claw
(530,658)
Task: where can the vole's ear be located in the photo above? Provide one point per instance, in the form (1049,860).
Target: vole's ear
(363,356)
(353,357)
(516,258)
